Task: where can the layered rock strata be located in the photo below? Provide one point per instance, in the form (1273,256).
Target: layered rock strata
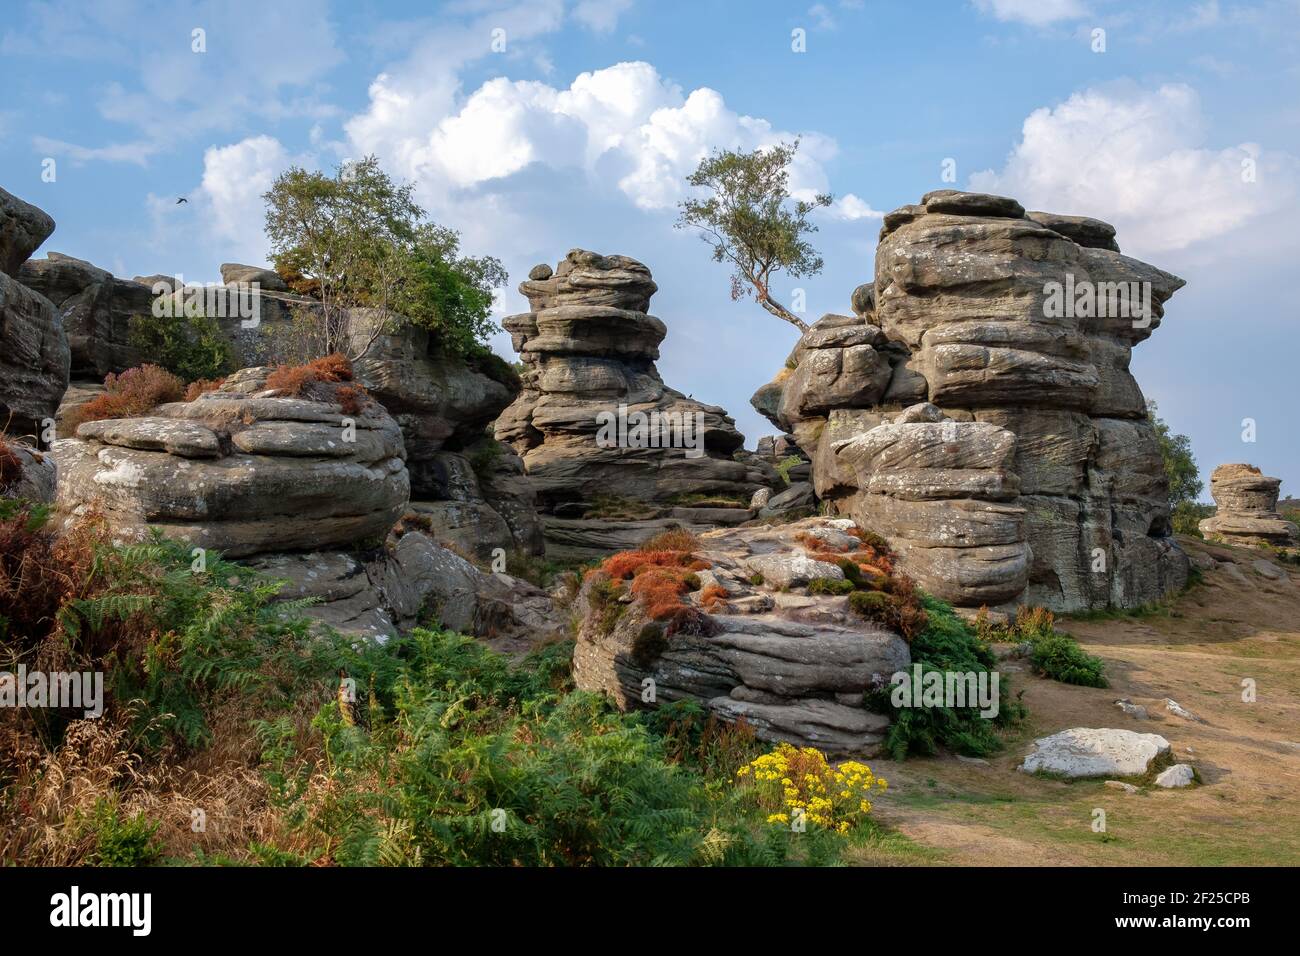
(602,438)
(1023,321)
(792,662)
(1247,509)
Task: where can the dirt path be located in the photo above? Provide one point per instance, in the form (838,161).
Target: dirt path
(1237,625)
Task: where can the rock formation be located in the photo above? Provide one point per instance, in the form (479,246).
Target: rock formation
(241,471)
(98,308)
(1022,323)
(1247,509)
(308,491)
(34,360)
(945,495)
(792,662)
(468,485)
(599,432)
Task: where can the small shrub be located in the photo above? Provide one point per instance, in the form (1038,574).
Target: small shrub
(122,842)
(191,347)
(1060,657)
(201,387)
(790,781)
(674,539)
(294,379)
(134,392)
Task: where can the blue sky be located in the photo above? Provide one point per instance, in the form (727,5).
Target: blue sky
(580,132)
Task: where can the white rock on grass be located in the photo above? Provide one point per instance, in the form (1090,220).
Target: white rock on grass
(1082,752)
(1178,710)
(1179,775)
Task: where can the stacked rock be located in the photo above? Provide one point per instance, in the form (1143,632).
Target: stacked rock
(1247,509)
(598,430)
(1025,321)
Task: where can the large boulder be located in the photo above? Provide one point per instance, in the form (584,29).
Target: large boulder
(23,228)
(412,580)
(758,645)
(1084,752)
(1247,509)
(243,470)
(594,423)
(34,358)
(1023,321)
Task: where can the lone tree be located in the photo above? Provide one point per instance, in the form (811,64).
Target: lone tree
(358,240)
(753,222)
(1184,476)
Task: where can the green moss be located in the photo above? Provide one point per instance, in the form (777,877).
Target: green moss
(829,586)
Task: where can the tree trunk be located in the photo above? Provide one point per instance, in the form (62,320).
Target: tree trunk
(781,312)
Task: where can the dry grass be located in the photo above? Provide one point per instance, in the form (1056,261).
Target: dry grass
(11,467)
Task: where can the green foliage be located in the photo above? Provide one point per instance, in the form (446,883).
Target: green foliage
(121,841)
(1188,515)
(785,464)
(358,240)
(190,347)
(1060,657)
(1180,465)
(947,644)
(752,222)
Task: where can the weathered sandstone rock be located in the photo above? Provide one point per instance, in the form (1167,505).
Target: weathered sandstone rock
(595,425)
(1085,752)
(793,664)
(1020,321)
(1247,509)
(241,471)
(23,228)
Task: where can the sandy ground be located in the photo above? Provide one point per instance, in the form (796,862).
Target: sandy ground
(1236,625)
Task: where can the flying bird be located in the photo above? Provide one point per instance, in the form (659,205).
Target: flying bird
(181,200)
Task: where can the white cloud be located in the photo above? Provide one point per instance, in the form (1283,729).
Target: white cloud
(1033,12)
(821,16)
(1134,158)
(624,124)
(600,16)
(137,152)
(851,208)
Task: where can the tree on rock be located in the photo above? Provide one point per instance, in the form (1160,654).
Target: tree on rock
(359,241)
(751,220)
(1184,476)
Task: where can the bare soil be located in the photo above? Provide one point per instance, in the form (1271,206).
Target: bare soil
(1235,625)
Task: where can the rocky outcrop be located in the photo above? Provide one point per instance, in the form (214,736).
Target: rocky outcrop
(1247,509)
(597,428)
(241,470)
(26,473)
(34,359)
(23,228)
(756,643)
(98,310)
(410,581)
(945,496)
(1023,322)
(469,486)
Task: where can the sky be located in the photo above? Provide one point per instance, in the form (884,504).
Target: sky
(536,126)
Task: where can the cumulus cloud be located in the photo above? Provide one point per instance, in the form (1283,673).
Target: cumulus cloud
(624,124)
(1136,158)
(1033,12)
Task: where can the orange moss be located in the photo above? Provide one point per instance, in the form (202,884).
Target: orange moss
(134,392)
(202,386)
(627,564)
(714,596)
(292,379)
